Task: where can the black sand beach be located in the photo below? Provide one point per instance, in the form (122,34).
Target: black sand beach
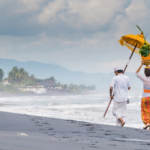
(24,132)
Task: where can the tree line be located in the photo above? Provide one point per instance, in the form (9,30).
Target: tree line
(19,77)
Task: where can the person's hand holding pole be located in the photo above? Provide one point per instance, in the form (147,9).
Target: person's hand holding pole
(111,97)
(111,91)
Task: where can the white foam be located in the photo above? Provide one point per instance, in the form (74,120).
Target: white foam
(132,140)
(88,108)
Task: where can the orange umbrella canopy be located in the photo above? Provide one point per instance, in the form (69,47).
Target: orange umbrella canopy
(130,41)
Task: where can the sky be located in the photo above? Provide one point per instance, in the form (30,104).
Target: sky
(80,35)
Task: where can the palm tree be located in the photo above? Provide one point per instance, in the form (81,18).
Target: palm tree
(16,75)
(32,78)
(19,77)
(59,83)
(26,76)
(52,79)
(12,77)
(1,74)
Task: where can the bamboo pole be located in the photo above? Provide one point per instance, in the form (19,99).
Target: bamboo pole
(123,72)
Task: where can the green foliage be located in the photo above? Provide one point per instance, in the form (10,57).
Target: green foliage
(145,50)
(139,28)
(21,77)
(9,88)
(52,79)
(59,83)
(17,75)
(1,74)
(80,88)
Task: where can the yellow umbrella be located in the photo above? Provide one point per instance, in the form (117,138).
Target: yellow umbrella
(133,41)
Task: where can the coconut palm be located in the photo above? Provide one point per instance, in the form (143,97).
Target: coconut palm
(52,79)
(16,75)
(12,77)
(1,74)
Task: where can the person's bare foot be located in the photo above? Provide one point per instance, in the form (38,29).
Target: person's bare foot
(148,125)
(122,122)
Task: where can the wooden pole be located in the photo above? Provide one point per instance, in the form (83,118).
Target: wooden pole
(123,72)
(130,58)
(107,107)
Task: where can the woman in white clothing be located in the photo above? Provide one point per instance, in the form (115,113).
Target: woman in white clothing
(145,102)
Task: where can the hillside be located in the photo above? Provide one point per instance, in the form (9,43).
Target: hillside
(43,70)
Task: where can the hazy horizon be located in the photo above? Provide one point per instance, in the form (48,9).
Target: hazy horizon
(110,71)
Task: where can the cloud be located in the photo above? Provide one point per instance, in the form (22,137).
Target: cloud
(78,34)
(58,17)
(136,13)
(94,14)
(50,11)
(29,5)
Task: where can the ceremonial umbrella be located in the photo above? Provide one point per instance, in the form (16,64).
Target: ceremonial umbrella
(134,43)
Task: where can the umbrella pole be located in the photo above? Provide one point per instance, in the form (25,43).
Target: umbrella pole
(123,72)
(130,58)
(107,107)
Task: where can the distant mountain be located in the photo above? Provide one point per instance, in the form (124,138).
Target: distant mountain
(43,70)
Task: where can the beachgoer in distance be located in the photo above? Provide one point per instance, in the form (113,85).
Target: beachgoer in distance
(120,84)
(145,101)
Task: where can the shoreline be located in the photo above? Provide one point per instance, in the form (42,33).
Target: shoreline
(7,94)
(26,132)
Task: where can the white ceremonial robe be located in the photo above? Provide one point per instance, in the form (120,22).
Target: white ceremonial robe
(120,111)
(120,83)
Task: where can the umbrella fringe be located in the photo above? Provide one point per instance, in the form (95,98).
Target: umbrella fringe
(129,46)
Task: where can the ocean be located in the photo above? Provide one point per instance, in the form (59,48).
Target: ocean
(87,107)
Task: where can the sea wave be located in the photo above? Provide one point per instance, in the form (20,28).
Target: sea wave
(89,108)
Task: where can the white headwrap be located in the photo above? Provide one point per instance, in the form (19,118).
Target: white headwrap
(118,68)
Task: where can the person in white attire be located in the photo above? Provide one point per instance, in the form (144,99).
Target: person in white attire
(120,84)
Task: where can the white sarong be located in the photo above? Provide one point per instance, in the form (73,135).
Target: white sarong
(120,111)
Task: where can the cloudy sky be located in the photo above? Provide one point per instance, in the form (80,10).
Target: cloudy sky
(80,35)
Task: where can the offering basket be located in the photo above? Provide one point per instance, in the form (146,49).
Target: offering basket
(146,61)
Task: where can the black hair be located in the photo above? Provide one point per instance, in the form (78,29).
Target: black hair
(120,71)
(147,72)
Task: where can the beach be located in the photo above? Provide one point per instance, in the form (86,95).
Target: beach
(64,122)
(26,132)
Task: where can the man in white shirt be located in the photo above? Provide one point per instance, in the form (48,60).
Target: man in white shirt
(120,84)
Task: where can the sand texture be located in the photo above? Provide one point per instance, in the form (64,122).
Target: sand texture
(24,132)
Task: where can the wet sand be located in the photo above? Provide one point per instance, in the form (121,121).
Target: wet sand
(24,132)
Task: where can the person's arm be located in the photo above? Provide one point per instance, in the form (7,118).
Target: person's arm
(138,70)
(138,74)
(111,91)
(111,88)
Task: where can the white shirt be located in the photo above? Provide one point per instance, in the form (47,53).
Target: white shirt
(146,84)
(120,83)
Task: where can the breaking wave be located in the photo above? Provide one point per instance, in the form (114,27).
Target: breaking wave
(89,108)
